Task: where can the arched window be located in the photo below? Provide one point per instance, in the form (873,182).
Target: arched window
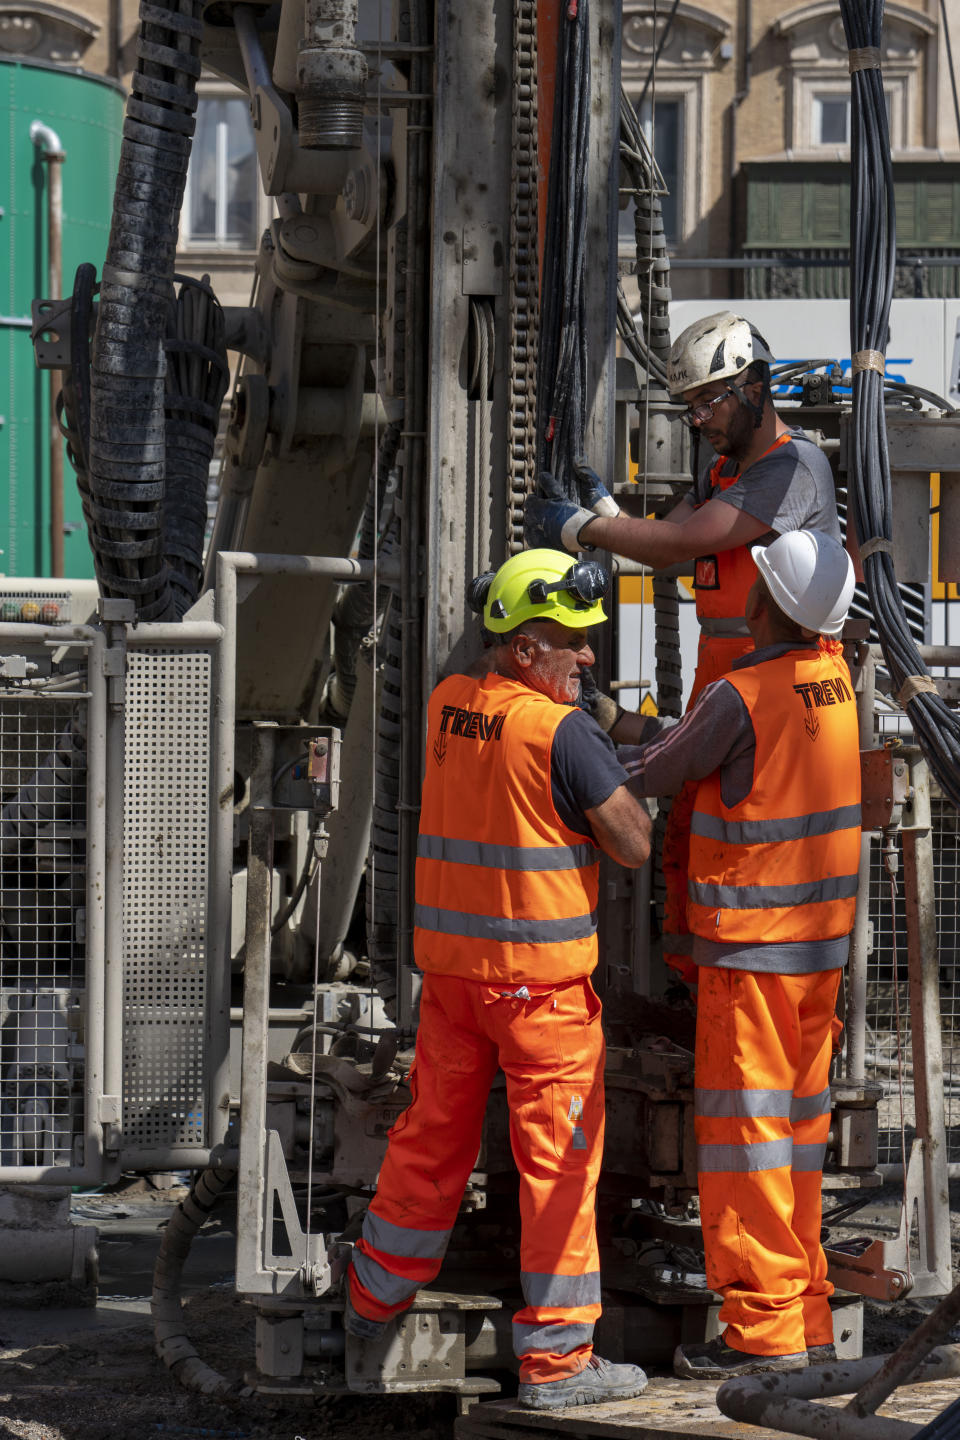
(817,79)
(674,103)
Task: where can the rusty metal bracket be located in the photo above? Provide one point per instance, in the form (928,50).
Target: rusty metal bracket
(885,777)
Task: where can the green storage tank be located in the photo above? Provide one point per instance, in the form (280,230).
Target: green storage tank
(86,112)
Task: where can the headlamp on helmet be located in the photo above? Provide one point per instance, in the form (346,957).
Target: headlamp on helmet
(542,585)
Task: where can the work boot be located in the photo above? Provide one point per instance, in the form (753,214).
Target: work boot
(716,1360)
(359,1325)
(597,1383)
(821,1354)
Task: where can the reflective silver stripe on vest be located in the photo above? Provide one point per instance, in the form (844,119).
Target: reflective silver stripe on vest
(724,1159)
(723,627)
(772,897)
(808,1157)
(561,1290)
(503,929)
(770,832)
(387,1288)
(808,1107)
(723,1104)
(398,1240)
(506,857)
(550,1339)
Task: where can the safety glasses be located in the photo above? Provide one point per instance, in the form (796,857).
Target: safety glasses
(586,580)
(696,415)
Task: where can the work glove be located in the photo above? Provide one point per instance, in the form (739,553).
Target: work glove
(553,522)
(604,710)
(593,492)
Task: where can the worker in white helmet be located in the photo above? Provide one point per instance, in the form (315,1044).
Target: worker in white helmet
(766,479)
(773,752)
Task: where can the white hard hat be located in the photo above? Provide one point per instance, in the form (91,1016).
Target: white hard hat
(810,577)
(714,348)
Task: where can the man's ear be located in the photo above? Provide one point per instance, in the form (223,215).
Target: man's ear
(523,648)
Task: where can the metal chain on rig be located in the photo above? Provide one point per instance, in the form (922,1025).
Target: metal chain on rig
(523,284)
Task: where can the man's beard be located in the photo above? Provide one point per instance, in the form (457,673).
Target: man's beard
(739,436)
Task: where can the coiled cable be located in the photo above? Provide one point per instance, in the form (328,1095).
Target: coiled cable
(873,262)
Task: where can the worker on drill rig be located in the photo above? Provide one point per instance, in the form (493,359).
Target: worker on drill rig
(766,480)
(521,792)
(772,752)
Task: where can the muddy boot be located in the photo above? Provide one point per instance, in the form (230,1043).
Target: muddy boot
(597,1383)
(716,1360)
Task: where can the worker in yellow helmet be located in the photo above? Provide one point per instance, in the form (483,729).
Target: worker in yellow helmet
(522,791)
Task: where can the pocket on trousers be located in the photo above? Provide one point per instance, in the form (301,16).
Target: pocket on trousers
(577,1115)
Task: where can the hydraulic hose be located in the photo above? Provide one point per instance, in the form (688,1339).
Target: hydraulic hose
(651,345)
(172,1343)
(873,245)
(127,392)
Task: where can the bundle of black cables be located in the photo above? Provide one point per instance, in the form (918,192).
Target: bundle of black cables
(873,260)
(562,361)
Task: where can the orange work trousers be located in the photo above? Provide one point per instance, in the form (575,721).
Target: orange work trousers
(762,1115)
(715,656)
(549,1043)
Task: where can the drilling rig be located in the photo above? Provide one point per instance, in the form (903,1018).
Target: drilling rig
(211,785)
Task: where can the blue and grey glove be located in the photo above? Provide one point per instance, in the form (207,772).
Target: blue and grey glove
(593,492)
(556,523)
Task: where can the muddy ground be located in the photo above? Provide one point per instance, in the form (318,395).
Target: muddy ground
(93,1375)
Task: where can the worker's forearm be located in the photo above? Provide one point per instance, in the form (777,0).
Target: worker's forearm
(653,542)
(632,728)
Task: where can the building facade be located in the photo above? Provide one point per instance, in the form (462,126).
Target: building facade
(748,108)
(224,210)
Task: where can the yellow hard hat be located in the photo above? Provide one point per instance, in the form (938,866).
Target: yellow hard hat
(545,585)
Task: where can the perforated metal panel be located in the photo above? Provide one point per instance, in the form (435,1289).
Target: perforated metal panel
(888,1040)
(43,779)
(166,842)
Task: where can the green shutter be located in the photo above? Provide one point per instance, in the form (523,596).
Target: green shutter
(942,225)
(826,212)
(908,221)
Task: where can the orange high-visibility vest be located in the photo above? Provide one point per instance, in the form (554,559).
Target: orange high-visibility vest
(722,581)
(782,864)
(504,890)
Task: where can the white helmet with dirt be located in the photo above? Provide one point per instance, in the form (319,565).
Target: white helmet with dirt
(810,577)
(714,348)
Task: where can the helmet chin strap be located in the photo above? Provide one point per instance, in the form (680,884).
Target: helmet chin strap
(755,410)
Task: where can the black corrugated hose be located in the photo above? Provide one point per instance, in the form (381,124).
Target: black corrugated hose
(196,382)
(562,359)
(873,260)
(127,392)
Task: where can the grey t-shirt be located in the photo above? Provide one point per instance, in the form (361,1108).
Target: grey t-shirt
(789,488)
